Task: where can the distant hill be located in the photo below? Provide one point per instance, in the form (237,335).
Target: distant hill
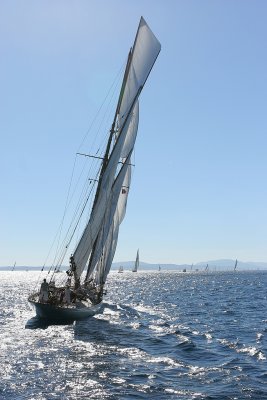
(218,265)
(228,264)
(25,268)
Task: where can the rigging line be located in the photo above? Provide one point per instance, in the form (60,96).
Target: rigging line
(83,195)
(106,117)
(66,207)
(68,195)
(85,188)
(64,214)
(90,207)
(62,220)
(68,240)
(89,171)
(98,111)
(71,223)
(78,180)
(100,158)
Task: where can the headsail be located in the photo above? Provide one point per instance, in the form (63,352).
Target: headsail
(105,246)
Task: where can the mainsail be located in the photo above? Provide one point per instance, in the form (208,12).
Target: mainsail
(97,245)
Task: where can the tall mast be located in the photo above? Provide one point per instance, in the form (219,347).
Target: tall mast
(112,130)
(107,152)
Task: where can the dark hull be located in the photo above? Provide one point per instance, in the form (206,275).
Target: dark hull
(65,313)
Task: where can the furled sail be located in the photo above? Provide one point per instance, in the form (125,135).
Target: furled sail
(140,62)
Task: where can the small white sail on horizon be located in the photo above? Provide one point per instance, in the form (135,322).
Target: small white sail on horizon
(136,264)
(235,265)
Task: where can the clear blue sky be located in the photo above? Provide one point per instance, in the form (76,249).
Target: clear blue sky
(199,187)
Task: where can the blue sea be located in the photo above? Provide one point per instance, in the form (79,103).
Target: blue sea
(162,335)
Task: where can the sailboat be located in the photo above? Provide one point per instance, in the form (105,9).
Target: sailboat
(81,295)
(235,265)
(136,264)
(120,271)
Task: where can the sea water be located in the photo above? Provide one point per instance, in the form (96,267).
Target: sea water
(162,335)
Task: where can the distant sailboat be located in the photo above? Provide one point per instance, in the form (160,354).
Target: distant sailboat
(207,268)
(14,266)
(80,295)
(235,265)
(159,268)
(136,264)
(120,271)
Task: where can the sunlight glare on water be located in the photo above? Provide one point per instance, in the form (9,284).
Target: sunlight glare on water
(161,335)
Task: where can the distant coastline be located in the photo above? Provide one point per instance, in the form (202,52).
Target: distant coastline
(213,266)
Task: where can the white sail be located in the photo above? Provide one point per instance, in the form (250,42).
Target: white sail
(105,237)
(93,227)
(108,235)
(136,265)
(145,51)
(235,265)
(144,54)
(108,251)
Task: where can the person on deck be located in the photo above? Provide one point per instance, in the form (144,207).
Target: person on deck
(43,295)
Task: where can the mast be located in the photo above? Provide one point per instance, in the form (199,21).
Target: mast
(106,156)
(112,130)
